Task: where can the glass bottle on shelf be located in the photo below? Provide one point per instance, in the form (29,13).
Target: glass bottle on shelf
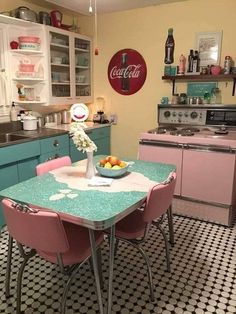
(169,47)
(190,61)
(182,62)
(216,96)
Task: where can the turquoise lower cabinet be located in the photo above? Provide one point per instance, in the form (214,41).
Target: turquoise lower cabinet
(100,136)
(75,154)
(54,147)
(103,145)
(52,155)
(26,168)
(8,177)
(17,163)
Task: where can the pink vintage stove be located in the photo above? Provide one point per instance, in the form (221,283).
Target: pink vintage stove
(201,142)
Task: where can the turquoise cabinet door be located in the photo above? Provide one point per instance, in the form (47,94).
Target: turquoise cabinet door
(100,136)
(103,145)
(54,143)
(8,177)
(54,154)
(26,168)
(75,154)
(54,147)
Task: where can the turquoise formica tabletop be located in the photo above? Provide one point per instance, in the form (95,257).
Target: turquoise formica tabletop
(66,191)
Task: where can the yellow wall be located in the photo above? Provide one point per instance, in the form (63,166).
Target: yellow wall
(146,30)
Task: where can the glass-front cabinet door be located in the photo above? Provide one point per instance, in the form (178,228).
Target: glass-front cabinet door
(82,51)
(60,62)
(70,66)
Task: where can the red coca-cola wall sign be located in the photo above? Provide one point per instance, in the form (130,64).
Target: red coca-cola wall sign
(127,71)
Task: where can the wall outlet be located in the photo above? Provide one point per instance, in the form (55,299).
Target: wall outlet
(113,118)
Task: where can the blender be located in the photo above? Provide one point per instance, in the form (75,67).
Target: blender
(99,117)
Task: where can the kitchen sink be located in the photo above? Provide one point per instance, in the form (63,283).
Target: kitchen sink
(8,137)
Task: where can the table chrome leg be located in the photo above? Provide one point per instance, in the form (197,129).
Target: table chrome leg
(171,226)
(95,269)
(8,270)
(111,265)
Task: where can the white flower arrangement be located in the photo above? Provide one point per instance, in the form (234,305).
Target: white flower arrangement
(80,138)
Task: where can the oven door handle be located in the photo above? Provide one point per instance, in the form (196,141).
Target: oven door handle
(160,143)
(211,148)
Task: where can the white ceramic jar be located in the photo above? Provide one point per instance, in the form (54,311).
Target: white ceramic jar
(30,123)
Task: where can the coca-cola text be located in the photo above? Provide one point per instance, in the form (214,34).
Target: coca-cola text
(132,71)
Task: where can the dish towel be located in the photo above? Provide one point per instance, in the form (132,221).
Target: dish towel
(100,181)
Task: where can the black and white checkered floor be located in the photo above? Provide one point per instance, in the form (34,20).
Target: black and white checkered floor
(202,279)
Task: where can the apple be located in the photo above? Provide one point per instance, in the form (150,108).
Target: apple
(102,162)
(107,158)
(107,165)
(122,164)
(116,167)
(113,160)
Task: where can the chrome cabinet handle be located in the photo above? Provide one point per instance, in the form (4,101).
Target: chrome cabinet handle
(56,143)
(53,157)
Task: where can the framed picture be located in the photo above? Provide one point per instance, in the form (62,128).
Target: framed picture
(209,46)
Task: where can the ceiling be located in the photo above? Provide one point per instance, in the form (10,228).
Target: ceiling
(108,6)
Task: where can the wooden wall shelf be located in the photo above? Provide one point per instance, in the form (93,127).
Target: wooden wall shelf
(199,78)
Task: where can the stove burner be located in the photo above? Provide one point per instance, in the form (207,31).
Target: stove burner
(182,132)
(190,129)
(163,130)
(221,132)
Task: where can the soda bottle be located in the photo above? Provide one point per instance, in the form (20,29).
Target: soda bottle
(196,62)
(124,77)
(182,62)
(190,61)
(169,47)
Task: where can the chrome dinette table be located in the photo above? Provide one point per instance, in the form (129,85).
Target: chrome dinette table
(66,191)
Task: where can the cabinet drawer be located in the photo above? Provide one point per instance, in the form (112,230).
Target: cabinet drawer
(54,143)
(19,152)
(55,154)
(98,133)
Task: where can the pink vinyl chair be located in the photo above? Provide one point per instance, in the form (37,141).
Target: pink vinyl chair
(52,164)
(40,170)
(134,228)
(41,230)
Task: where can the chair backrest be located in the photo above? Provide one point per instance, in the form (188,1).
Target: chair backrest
(159,199)
(52,164)
(39,229)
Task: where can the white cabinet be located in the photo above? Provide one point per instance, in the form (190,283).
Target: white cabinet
(69,66)
(27,67)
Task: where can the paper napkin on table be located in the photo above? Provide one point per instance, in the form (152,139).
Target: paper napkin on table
(99,181)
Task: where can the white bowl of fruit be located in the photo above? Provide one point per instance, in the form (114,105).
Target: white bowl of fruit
(112,167)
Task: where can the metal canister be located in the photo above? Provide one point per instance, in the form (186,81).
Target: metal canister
(183,98)
(227,64)
(175,99)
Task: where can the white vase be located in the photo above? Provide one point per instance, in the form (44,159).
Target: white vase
(90,170)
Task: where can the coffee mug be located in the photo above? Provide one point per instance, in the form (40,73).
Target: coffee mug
(164,100)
